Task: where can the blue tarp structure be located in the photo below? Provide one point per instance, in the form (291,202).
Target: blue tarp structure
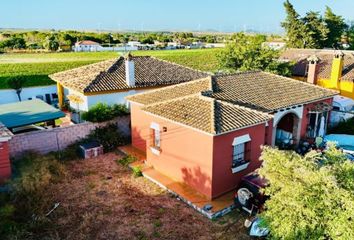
(28,112)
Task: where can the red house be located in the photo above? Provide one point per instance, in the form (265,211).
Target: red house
(208,133)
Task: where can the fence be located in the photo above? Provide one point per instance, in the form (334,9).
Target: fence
(56,139)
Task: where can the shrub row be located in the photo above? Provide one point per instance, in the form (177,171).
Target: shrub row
(102,112)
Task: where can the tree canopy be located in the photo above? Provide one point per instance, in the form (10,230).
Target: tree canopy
(311,196)
(312,30)
(247,53)
(336,27)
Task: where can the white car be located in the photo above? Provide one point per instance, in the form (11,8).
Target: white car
(343,109)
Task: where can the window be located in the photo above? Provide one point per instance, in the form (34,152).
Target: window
(240,152)
(335,108)
(155,140)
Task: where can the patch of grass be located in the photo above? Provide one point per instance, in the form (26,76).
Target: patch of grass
(157,223)
(199,59)
(137,171)
(36,67)
(161,210)
(58,122)
(125,161)
(90,185)
(89,172)
(23,209)
(35,74)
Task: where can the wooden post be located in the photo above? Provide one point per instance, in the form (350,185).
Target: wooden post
(60,90)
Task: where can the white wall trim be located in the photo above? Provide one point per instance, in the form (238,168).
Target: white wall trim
(240,168)
(241,139)
(155,126)
(155,151)
(298,111)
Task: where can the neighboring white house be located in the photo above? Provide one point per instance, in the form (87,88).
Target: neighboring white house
(215,45)
(111,81)
(87,46)
(274,45)
(133,44)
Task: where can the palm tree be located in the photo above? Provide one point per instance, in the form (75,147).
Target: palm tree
(16,83)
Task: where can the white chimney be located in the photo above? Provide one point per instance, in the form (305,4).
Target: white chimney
(129,71)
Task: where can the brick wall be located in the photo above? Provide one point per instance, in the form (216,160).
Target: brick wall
(59,138)
(5,167)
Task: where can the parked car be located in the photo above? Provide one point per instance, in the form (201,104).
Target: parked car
(343,109)
(248,195)
(28,128)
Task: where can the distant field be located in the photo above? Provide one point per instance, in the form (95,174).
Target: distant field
(36,67)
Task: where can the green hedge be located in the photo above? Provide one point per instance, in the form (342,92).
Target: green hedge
(102,112)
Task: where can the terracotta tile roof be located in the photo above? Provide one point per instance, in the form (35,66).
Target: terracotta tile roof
(227,102)
(87,42)
(265,91)
(171,92)
(299,56)
(110,75)
(207,114)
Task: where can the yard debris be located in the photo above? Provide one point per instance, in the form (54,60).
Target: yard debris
(207,207)
(257,230)
(55,207)
(128,207)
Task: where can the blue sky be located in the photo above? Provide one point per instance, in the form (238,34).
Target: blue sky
(220,15)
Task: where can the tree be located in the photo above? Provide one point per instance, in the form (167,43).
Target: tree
(16,83)
(316,30)
(51,43)
(14,43)
(246,53)
(350,35)
(336,26)
(294,27)
(313,30)
(311,197)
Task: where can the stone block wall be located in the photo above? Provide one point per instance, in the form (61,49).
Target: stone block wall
(56,139)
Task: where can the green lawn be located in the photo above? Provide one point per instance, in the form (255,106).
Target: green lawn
(36,67)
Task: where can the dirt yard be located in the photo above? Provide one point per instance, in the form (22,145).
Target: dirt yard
(103,200)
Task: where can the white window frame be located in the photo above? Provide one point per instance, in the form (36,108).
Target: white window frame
(156,144)
(239,144)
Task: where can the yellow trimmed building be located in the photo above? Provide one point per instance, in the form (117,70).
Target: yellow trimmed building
(331,69)
(112,80)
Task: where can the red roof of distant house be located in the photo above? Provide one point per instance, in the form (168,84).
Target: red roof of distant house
(87,42)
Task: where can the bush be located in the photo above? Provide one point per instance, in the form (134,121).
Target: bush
(102,112)
(22,210)
(346,127)
(125,161)
(137,171)
(7,222)
(109,136)
(71,152)
(35,173)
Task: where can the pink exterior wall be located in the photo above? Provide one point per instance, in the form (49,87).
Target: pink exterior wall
(198,159)
(139,127)
(305,117)
(5,166)
(223,179)
(185,156)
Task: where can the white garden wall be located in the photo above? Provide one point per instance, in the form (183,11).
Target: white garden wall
(10,96)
